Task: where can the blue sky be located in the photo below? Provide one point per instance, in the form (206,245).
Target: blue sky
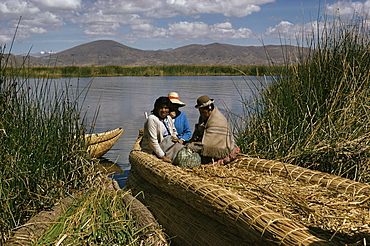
(57,25)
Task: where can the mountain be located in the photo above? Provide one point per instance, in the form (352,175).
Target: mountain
(9,60)
(108,52)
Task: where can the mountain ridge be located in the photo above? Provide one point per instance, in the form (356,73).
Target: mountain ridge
(109,52)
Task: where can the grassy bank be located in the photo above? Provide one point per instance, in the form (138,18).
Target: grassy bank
(318,117)
(172,70)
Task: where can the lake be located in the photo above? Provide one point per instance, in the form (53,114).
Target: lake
(122,101)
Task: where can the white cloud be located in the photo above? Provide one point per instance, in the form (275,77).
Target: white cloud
(347,8)
(220,31)
(230,8)
(102,28)
(225,31)
(141,14)
(134,19)
(171,8)
(103,17)
(4,39)
(187,30)
(38,30)
(147,31)
(14,9)
(36,16)
(296,32)
(284,27)
(58,4)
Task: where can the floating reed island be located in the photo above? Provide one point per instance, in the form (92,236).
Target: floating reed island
(251,202)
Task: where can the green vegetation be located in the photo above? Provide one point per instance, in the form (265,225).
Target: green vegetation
(43,161)
(41,148)
(317,116)
(99,217)
(171,70)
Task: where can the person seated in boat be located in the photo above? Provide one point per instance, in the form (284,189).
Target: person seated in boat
(180,119)
(160,135)
(212,138)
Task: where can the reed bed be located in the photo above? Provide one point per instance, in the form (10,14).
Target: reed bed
(168,70)
(317,115)
(104,215)
(46,171)
(41,144)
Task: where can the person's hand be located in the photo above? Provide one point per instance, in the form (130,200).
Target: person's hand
(166,159)
(175,139)
(181,141)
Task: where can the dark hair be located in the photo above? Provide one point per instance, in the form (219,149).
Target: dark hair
(174,107)
(159,103)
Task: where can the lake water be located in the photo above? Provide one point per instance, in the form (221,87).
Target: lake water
(122,101)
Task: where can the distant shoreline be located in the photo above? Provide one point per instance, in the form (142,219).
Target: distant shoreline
(151,71)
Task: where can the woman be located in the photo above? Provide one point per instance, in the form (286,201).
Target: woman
(160,136)
(212,137)
(181,120)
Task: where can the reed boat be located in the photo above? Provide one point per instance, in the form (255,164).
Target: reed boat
(30,232)
(98,144)
(250,201)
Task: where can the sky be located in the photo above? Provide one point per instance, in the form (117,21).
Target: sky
(52,26)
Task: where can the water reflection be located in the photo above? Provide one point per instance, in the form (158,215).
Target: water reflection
(113,170)
(109,167)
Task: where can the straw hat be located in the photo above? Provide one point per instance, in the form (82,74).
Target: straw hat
(175,99)
(204,101)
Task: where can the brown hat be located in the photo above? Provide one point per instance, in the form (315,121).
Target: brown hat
(204,101)
(175,99)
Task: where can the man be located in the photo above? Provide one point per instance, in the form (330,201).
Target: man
(212,137)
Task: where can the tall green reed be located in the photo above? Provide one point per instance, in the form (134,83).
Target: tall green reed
(42,153)
(317,114)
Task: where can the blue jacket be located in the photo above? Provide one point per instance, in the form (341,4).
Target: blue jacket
(182,126)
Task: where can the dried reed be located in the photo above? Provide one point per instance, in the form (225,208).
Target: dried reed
(250,221)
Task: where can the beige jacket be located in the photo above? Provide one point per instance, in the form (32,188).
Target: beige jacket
(153,134)
(215,136)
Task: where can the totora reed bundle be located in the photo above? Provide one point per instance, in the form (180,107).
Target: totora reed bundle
(253,207)
(100,143)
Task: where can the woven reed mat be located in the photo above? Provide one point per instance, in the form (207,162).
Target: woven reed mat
(342,217)
(184,225)
(247,218)
(303,174)
(334,209)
